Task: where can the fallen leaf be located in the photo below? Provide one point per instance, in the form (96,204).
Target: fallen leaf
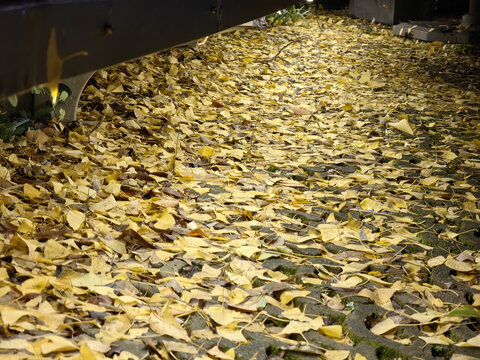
(402,126)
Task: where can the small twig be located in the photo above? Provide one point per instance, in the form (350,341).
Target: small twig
(276,55)
(97,126)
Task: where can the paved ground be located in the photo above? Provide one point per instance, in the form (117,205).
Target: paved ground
(309,163)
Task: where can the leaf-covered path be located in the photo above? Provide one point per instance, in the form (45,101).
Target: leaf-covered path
(232,201)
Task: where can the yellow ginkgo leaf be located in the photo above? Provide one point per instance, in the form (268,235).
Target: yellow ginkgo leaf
(336,354)
(459,265)
(289,295)
(383,326)
(206,151)
(105,205)
(56,344)
(364,77)
(30,191)
(298,110)
(334,331)
(165,221)
(472,342)
(54,250)
(402,126)
(75,219)
(234,335)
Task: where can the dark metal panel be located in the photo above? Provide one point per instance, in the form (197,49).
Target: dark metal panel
(392,11)
(111,31)
(236,12)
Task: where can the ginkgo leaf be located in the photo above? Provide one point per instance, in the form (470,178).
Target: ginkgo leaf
(336,354)
(87,353)
(206,151)
(459,265)
(17,344)
(224,316)
(216,353)
(298,110)
(165,221)
(90,280)
(75,219)
(163,327)
(105,205)
(472,342)
(334,331)
(180,347)
(30,191)
(234,335)
(436,261)
(383,326)
(436,340)
(289,295)
(359,356)
(54,344)
(34,285)
(364,77)
(55,250)
(402,126)
(296,327)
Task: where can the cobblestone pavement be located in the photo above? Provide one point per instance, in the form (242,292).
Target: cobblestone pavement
(350,129)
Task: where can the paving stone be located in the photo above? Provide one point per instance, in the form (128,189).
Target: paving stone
(306,217)
(368,351)
(196,322)
(405,299)
(469,234)
(359,332)
(334,249)
(135,347)
(261,346)
(315,338)
(279,263)
(254,350)
(273,310)
(172,268)
(145,289)
(304,251)
(330,265)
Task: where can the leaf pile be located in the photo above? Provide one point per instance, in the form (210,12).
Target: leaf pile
(236,202)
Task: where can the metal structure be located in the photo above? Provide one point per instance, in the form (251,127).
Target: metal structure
(415,18)
(391,12)
(110,31)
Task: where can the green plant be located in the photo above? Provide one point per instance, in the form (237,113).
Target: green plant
(274,350)
(386,353)
(292,13)
(454,337)
(16,124)
(19,121)
(350,306)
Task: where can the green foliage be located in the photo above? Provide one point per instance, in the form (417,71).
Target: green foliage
(274,350)
(350,306)
(290,14)
(386,353)
(14,125)
(18,122)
